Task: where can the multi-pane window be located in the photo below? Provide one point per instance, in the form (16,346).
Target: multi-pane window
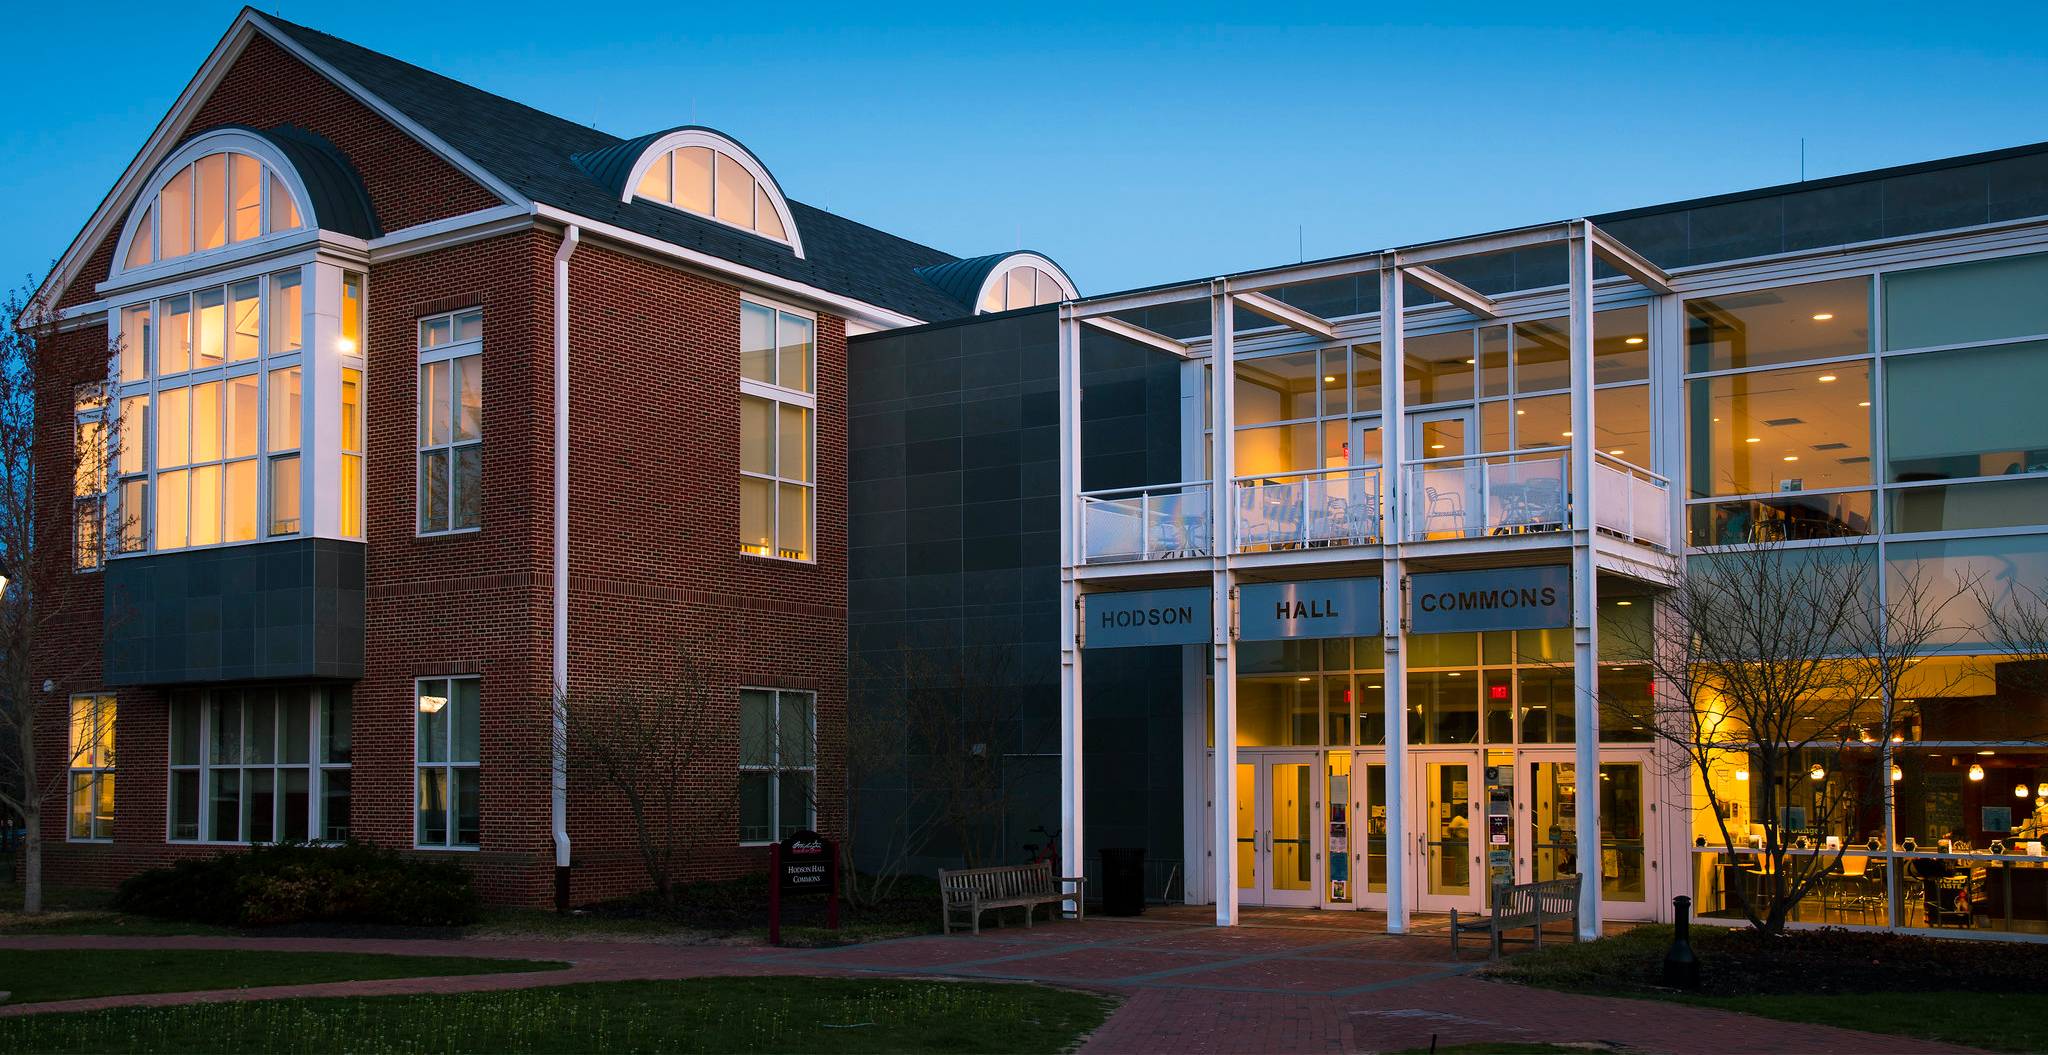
(446,753)
(92,767)
(778,763)
(451,422)
(778,431)
(260,765)
(1022,286)
(91,453)
(710,182)
(215,200)
(207,434)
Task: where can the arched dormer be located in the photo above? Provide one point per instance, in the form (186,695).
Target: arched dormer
(234,185)
(700,171)
(1002,281)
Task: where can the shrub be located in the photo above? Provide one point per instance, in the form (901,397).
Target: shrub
(296,883)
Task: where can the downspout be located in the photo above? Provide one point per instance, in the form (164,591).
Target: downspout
(559,742)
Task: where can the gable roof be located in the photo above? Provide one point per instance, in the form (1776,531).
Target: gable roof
(534,153)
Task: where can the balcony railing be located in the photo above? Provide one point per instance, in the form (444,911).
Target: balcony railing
(1631,502)
(1307,509)
(1463,497)
(1160,522)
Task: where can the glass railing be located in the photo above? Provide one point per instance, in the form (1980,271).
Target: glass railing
(1451,498)
(1308,508)
(1161,522)
(1631,502)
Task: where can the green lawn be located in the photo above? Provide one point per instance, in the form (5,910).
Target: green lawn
(32,976)
(697,1015)
(1993,1021)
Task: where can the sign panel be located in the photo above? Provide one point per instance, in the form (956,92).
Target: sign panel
(805,864)
(1145,617)
(1274,611)
(1499,599)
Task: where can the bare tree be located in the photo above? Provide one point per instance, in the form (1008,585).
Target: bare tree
(2016,628)
(893,829)
(645,744)
(50,522)
(1782,666)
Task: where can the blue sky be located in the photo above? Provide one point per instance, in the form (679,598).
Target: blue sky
(1140,145)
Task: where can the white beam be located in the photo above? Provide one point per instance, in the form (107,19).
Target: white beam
(1627,261)
(1286,314)
(1484,244)
(1585,584)
(1133,332)
(1454,291)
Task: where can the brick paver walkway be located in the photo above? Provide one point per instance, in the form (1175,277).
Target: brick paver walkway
(1185,989)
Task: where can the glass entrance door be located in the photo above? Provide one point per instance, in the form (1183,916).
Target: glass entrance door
(1552,806)
(1278,856)
(1367,831)
(1444,492)
(1453,861)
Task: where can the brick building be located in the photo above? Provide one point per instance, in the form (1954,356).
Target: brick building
(354,336)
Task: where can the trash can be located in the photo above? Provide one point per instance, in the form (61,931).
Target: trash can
(1123,881)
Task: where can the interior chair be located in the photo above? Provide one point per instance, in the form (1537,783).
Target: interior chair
(1444,504)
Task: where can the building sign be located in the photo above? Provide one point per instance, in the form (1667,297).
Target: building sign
(803,863)
(1500,599)
(1274,611)
(1145,617)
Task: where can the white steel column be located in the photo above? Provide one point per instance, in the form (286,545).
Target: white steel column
(320,401)
(1585,591)
(1071,812)
(1393,528)
(1197,795)
(1223,811)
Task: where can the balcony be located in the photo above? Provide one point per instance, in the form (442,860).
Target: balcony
(1631,502)
(1161,522)
(1308,509)
(1460,497)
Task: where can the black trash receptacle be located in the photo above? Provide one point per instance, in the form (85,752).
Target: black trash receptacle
(1123,881)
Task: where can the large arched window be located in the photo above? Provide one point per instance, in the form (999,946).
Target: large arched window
(702,172)
(208,199)
(1025,280)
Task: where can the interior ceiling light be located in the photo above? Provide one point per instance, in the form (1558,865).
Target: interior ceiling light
(1329,380)
(1754,439)
(1623,604)
(1616,450)
(1567,433)
(1519,413)
(1633,340)
(1897,773)
(1825,378)
(1791,457)
(1816,773)
(1436,446)
(1865,403)
(1469,362)
(1823,316)
(1976,772)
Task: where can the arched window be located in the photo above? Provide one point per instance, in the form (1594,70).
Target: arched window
(700,171)
(1025,280)
(215,199)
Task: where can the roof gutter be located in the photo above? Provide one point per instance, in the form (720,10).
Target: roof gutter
(558,804)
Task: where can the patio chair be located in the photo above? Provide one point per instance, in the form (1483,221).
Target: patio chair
(1444,504)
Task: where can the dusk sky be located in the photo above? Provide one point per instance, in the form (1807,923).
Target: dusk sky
(1153,144)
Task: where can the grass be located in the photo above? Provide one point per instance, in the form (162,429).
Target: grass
(1978,994)
(31,976)
(827,1015)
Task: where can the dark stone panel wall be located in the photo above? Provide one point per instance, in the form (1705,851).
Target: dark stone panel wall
(274,610)
(954,535)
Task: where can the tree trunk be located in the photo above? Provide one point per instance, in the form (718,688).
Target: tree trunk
(32,859)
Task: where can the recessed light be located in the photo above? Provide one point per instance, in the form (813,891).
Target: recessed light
(1823,316)
(1633,340)
(1436,446)
(1791,457)
(1754,439)
(1519,413)
(1865,403)
(1616,450)
(1825,378)
(1329,380)
(1469,362)
(1460,674)
(1623,604)
(1301,679)
(1567,433)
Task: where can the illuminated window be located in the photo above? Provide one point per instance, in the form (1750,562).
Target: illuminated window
(1021,286)
(702,172)
(216,200)
(778,764)
(446,750)
(92,465)
(451,422)
(778,432)
(92,768)
(260,765)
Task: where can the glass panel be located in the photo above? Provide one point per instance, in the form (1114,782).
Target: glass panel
(1622,875)
(1446,705)
(135,343)
(794,730)
(467,815)
(1493,361)
(287,320)
(1365,378)
(433,497)
(769,221)
(1247,826)
(224,720)
(227,805)
(142,245)
(793,522)
(337,727)
(434,404)
(286,408)
(132,515)
(1337,710)
(654,182)
(206,505)
(794,355)
(462,699)
(1622,418)
(1018,288)
(1448,828)
(206,422)
(244,416)
(757,807)
(131,443)
(1371,705)
(793,442)
(1621,345)
(1960,303)
(465,503)
(757,519)
(1842,515)
(794,807)
(259,732)
(351,342)
(468,326)
(335,804)
(294,803)
(245,186)
(284,211)
(1553,821)
(284,495)
(185,804)
(1278,711)
(294,740)
(469,398)
(1440,368)
(1818,320)
(1277,388)
(81,805)
(259,807)
(170,509)
(1545,700)
(211,196)
(1543,421)
(1376,828)
(1292,826)
(693,178)
(1277,449)
(1961,507)
(431,744)
(1969,412)
(1049,292)
(1499,705)
(1338,849)
(1997,565)
(244,315)
(992,298)
(757,732)
(351,409)
(175,210)
(185,715)
(757,342)
(174,336)
(757,435)
(240,500)
(1543,355)
(432,812)
(735,201)
(1806,428)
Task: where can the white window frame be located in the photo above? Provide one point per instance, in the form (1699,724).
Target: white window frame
(447,353)
(92,404)
(447,766)
(718,144)
(218,141)
(998,279)
(775,768)
(778,394)
(317,700)
(94,767)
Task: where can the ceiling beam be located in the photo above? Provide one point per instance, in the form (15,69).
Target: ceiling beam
(1285,314)
(1132,332)
(1626,260)
(1454,291)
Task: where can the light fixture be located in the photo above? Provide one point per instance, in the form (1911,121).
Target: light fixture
(1823,316)
(1372,686)
(1976,771)
(1987,752)
(1742,775)
(2020,791)
(1470,362)
(2041,790)
(1865,403)
(1897,773)
(1457,673)
(1616,450)
(1301,679)
(1754,439)
(1825,378)
(1519,413)
(432,704)
(1898,738)
(1329,380)
(345,345)
(1436,446)
(1623,604)
(1567,433)
(1791,457)
(1633,340)
(1816,773)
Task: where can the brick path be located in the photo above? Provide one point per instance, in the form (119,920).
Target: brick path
(1185,989)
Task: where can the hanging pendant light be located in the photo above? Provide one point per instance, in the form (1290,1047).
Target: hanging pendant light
(2020,791)
(1976,771)
(1742,775)
(1897,773)
(2041,790)
(1816,773)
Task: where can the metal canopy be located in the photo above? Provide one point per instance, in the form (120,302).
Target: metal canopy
(1134,332)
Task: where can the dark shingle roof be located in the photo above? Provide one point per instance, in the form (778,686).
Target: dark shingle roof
(535,154)
(339,201)
(962,279)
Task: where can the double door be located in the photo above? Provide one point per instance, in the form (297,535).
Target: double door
(1279,856)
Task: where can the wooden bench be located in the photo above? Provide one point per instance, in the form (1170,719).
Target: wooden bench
(1521,905)
(977,890)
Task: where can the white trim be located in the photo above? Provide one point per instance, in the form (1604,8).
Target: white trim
(449,353)
(720,143)
(1010,263)
(777,395)
(449,232)
(448,765)
(776,768)
(558,757)
(217,141)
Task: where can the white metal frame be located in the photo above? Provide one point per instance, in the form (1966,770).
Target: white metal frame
(95,768)
(448,353)
(718,143)
(316,700)
(448,766)
(777,394)
(776,768)
(999,275)
(218,141)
